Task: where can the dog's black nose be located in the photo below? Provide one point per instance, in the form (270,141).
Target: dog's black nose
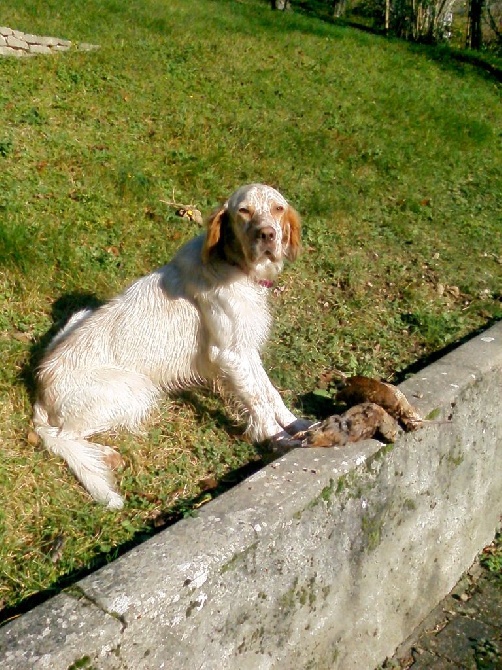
(266,234)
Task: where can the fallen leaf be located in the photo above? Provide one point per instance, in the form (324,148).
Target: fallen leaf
(22,337)
(32,438)
(208,483)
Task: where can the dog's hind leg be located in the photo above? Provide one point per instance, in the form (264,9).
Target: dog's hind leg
(74,408)
(85,460)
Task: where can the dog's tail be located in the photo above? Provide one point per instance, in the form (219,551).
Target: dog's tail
(84,459)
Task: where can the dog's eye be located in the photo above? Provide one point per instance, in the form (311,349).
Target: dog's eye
(243,210)
(279,208)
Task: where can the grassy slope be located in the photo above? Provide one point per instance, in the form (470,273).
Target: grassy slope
(391,157)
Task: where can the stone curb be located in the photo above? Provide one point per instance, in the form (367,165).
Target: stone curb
(17,43)
(325,559)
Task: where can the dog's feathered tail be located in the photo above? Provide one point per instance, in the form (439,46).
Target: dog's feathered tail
(84,458)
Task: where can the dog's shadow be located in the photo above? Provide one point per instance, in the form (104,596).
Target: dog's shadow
(318,407)
(62,310)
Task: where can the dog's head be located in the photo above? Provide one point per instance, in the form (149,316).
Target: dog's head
(255,229)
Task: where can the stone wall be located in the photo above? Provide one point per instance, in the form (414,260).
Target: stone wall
(17,43)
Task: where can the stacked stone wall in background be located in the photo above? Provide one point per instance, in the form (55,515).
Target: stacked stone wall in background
(17,43)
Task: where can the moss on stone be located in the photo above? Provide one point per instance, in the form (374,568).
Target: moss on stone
(409,504)
(238,558)
(84,662)
(371,526)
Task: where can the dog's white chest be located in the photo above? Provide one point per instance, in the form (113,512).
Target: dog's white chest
(247,309)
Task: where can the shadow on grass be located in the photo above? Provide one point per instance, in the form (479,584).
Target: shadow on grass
(452,59)
(423,362)
(446,56)
(186,507)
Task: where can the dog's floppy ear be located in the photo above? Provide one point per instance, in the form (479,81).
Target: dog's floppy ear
(292,230)
(213,232)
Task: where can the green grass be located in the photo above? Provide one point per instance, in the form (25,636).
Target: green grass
(391,155)
(491,558)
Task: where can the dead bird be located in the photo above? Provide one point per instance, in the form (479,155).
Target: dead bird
(360,422)
(365,389)
(378,410)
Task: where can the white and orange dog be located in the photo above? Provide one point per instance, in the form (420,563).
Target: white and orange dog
(202,317)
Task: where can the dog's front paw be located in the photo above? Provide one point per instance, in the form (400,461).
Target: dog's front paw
(299,426)
(283,442)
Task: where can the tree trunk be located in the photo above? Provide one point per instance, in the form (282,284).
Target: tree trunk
(339,7)
(474,37)
(281,5)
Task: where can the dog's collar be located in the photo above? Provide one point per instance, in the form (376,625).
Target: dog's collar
(266,283)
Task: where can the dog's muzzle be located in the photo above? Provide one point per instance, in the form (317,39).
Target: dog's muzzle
(267,241)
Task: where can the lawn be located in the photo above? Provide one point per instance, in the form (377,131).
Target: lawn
(391,154)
